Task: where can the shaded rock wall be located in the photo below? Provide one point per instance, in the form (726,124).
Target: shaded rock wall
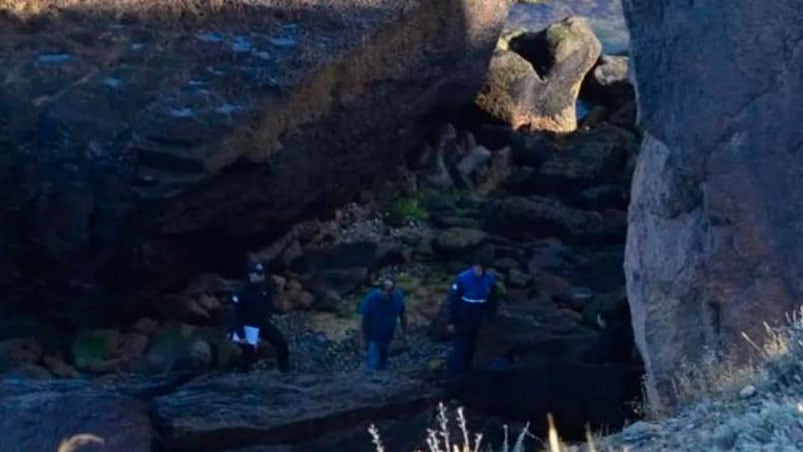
(714,242)
(39,415)
(184,124)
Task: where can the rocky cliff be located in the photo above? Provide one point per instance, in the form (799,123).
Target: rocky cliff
(141,141)
(714,243)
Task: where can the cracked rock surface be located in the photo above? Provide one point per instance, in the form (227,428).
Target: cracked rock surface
(714,243)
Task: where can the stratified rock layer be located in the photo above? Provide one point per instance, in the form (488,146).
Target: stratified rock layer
(141,142)
(714,241)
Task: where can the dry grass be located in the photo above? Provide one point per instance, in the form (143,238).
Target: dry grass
(441,440)
(715,375)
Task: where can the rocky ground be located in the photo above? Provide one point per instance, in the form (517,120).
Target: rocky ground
(314,351)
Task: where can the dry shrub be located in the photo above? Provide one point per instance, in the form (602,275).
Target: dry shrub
(781,347)
(73,443)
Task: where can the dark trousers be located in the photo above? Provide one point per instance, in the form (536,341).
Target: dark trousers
(267,332)
(462,354)
(378,354)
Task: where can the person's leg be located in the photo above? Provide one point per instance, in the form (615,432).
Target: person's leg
(470,347)
(373,358)
(275,337)
(457,356)
(247,357)
(384,351)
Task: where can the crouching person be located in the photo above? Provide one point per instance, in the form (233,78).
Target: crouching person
(381,309)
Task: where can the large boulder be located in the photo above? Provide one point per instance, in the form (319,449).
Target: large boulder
(264,409)
(586,159)
(459,242)
(181,123)
(580,396)
(557,356)
(608,83)
(534,85)
(714,245)
(333,272)
(538,217)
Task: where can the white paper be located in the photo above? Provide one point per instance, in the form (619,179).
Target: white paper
(251,335)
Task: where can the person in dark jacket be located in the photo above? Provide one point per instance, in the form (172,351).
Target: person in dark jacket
(381,310)
(471,300)
(251,319)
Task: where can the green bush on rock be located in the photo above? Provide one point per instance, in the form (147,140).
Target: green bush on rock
(405,209)
(92,346)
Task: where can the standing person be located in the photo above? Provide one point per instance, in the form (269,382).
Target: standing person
(472,298)
(251,322)
(380,310)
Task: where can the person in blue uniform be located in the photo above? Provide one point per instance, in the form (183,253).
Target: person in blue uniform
(381,310)
(471,301)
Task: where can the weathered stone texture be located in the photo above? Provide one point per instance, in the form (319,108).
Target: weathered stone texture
(715,238)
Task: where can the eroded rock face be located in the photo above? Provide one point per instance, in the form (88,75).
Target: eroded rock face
(534,80)
(178,133)
(714,243)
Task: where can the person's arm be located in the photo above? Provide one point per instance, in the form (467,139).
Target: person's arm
(363,311)
(452,301)
(235,325)
(268,307)
(492,304)
(403,318)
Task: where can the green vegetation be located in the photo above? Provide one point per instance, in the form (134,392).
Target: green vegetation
(347,309)
(406,209)
(92,346)
(557,33)
(501,291)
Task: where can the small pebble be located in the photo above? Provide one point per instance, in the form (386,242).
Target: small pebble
(181,112)
(228,109)
(210,37)
(284,42)
(112,82)
(747,392)
(241,45)
(54,58)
